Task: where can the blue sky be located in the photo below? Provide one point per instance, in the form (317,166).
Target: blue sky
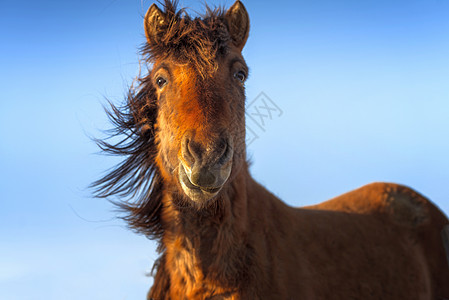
(363,87)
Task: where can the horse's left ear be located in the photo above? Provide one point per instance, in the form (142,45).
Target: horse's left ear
(238,24)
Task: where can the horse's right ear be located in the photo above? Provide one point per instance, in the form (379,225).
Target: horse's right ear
(154,19)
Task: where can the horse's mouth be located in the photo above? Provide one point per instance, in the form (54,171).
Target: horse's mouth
(195,192)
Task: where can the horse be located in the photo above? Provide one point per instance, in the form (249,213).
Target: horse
(185,182)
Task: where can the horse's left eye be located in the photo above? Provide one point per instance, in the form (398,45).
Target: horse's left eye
(240,75)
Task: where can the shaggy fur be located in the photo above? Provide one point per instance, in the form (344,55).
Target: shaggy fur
(381,241)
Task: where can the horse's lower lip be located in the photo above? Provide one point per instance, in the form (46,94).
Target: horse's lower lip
(211,190)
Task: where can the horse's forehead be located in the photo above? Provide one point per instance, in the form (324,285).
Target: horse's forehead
(184,74)
(188,73)
(191,80)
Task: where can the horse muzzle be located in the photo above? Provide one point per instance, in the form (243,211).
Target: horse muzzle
(204,171)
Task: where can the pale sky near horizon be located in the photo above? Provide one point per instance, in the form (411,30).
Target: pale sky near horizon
(362,85)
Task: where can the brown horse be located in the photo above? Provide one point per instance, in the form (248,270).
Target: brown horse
(223,236)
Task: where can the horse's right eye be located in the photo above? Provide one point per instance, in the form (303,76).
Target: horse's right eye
(161,82)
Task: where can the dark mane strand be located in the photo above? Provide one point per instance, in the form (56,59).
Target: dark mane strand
(198,41)
(137,177)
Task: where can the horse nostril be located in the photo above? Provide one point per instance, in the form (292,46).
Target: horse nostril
(186,151)
(226,153)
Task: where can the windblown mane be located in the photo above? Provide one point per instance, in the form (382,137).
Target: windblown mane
(136,180)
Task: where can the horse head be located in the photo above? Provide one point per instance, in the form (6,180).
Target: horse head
(198,76)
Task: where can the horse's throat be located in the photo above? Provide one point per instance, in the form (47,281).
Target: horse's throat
(207,250)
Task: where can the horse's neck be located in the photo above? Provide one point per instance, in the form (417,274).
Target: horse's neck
(210,243)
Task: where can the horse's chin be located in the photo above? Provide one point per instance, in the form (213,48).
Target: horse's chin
(196,193)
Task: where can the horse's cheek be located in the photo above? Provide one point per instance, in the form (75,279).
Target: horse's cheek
(167,142)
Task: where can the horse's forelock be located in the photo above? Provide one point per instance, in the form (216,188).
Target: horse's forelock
(197,41)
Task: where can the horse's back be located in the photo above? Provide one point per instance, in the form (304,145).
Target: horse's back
(399,209)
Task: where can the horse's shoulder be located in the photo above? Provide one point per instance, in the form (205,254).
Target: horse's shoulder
(403,204)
